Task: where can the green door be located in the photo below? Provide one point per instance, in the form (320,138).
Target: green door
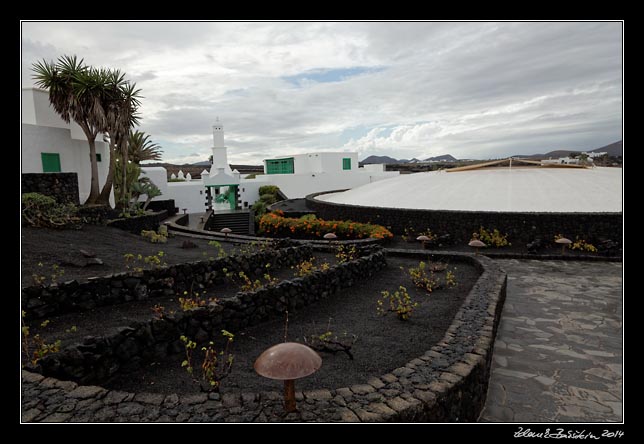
(231,196)
(50,162)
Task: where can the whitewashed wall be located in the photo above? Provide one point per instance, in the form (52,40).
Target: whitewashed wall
(43,131)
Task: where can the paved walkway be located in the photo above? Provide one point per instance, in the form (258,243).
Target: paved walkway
(558,352)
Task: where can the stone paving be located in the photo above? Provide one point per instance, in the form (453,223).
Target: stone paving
(558,351)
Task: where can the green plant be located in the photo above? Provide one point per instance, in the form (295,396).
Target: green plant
(215,366)
(54,276)
(308,217)
(220,250)
(330,342)
(135,262)
(399,302)
(39,210)
(423,277)
(269,189)
(193,300)
(582,245)
(450,278)
(493,238)
(346,253)
(72,329)
(34,347)
(154,237)
(307,267)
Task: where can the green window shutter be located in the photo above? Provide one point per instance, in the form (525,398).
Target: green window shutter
(50,162)
(279,166)
(98,157)
(346,163)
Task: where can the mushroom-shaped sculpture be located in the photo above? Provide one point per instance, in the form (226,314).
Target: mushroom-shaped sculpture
(287,362)
(226,231)
(476,244)
(330,236)
(563,241)
(424,239)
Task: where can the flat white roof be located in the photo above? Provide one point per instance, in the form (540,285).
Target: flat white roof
(520,189)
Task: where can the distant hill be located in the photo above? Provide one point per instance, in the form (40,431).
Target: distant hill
(204,163)
(614,149)
(381,159)
(443,158)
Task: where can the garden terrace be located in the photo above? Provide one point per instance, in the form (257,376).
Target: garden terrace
(446,380)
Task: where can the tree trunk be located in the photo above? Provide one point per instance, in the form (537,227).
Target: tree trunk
(93,190)
(104,198)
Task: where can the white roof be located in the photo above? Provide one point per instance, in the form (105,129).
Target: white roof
(520,189)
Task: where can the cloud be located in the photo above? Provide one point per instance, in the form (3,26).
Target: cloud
(402,89)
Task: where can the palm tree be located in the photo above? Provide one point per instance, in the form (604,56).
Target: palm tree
(140,148)
(75,93)
(121,100)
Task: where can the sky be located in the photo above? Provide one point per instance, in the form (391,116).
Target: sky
(404,89)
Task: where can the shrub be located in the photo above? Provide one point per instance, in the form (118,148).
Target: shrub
(330,342)
(493,238)
(582,245)
(154,237)
(307,267)
(399,302)
(346,253)
(422,279)
(135,262)
(34,347)
(268,198)
(259,208)
(43,211)
(277,225)
(269,189)
(215,366)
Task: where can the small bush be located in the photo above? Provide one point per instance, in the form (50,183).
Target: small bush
(215,365)
(493,238)
(269,189)
(582,245)
(268,199)
(43,211)
(307,267)
(154,237)
(399,302)
(423,277)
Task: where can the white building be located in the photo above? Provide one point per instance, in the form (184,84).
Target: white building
(49,145)
(296,176)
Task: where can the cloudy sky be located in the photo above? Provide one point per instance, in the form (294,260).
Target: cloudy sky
(473,90)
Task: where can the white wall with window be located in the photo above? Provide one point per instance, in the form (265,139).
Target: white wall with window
(48,144)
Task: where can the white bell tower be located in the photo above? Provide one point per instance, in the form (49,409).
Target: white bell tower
(219,151)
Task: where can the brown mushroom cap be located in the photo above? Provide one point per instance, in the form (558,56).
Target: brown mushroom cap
(476,243)
(289,360)
(422,238)
(225,230)
(330,236)
(563,240)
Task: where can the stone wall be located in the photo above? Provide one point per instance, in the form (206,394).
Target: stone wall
(61,186)
(98,358)
(448,383)
(521,228)
(138,223)
(167,205)
(72,296)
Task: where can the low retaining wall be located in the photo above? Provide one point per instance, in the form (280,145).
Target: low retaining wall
(40,301)
(98,358)
(167,205)
(521,228)
(138,223)
(61,186)
(447,383)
